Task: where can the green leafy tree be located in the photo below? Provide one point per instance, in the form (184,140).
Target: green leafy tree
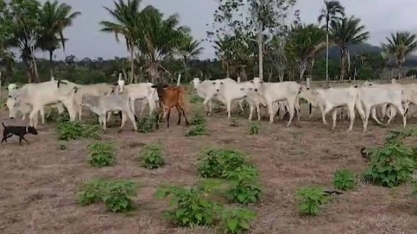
(330,13)
(158,38)
(347,31)
(54,19)
(252,19)
(25,17)
(189,49)
(400,45)
(126,18)
(306,41)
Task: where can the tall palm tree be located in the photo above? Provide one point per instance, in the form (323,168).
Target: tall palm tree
(126,16)
(53,19)
(222,48)
(158,38)
(189,49)
(346,32)
(400,45)
(331,12)
(306,41)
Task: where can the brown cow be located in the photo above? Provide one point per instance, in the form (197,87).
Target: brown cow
(170,96)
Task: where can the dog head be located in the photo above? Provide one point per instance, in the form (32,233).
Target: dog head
(32,130)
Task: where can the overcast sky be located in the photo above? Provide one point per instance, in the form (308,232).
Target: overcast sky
(381,17)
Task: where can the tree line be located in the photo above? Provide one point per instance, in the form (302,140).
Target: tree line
(250,38)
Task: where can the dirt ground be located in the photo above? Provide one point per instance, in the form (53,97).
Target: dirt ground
(38,182)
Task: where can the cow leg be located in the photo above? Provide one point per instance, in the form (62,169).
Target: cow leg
(42,110)
(168,115)
(291,110)
(374,116)
(324,113)
(109,116)
(400,109)
(131,116)
(179,114)
(393,113)
(365,122)
(251,109)
(185,117)
(351,109)
(208,101)
(310,111)
(241,105)
(297,108)
(334,117)
(229,108)
(103,117)
(123,116)
(270,111)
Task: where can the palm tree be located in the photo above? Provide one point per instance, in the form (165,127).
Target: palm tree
(331,12)
(53,20)
(222,48)
(346,32)
(400,45)
(126,17)
(306,41)
(190,49)
(158,38)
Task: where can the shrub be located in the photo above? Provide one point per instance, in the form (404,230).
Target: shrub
(197,130)
(145,125)
(91,192)
(311,200)
(254,128)
(102,155)
(75,130)
(116,195)
(344,180)
(245,188)
(151,157)
(390,165)
(198,119)
(216,163)
(189,206)
(236,220)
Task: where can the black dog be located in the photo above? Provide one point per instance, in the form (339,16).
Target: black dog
(20,131)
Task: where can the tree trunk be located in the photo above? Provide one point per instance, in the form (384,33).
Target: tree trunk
(302,68)
(132,63)
(327,54)
(342,64)
(51,56)
(260,52)
(154,73)
(35,70)
(243,74)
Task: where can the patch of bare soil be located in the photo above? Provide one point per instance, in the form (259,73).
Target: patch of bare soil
(39,181)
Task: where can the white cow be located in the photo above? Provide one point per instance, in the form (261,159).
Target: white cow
(142,92)
(45,93)
(374,96)
(409,96)
(106,104)
(330,99)
(101,89)
(229,92)
(206,89)
(275,92)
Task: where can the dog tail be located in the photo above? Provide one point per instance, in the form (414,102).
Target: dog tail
(3,124)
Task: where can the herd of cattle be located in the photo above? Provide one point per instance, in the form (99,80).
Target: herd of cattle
(104,99)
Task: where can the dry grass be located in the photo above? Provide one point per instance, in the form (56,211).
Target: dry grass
(38,181)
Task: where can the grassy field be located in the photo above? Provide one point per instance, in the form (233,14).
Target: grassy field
(39,181)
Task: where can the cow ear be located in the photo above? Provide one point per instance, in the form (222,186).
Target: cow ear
(153,86)
(166,86)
